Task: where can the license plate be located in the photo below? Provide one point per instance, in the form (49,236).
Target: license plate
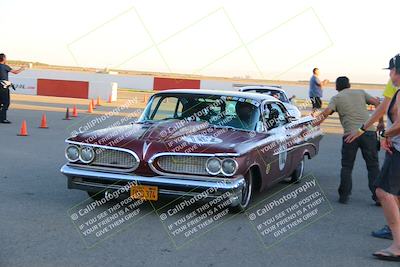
(144,192)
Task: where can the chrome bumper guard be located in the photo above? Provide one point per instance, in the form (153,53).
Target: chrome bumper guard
(90,180)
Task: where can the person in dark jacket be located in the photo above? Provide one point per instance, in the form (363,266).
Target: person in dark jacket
(5,87)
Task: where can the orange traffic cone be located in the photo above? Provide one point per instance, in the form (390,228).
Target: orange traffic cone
(43,125)
(93,105)
(90,110)
(74,112)
(98,101)
(109,99)
(23,131)
(67,115)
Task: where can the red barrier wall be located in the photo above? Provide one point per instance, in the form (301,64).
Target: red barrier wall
(63,88)
(170,83)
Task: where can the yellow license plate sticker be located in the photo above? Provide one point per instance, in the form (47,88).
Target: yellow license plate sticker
(144,192)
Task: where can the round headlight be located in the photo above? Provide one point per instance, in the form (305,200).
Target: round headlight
(87,155)
(229,167)
(213,166)
(72,153)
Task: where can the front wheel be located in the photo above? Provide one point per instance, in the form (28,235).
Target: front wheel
(247,193)
(298,172)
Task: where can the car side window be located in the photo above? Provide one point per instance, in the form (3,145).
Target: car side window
(275,115)
(164,108)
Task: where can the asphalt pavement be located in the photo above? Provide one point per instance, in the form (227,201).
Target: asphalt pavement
(36,228)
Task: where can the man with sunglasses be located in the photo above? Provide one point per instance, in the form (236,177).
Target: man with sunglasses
(388,182)
(388,94)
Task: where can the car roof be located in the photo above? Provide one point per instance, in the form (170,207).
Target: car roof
(249,95)
(262,87)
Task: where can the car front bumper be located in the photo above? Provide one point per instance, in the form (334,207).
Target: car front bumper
(90,180)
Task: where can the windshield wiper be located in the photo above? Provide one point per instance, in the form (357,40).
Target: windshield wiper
(166,119)
(230,127)
(145,122)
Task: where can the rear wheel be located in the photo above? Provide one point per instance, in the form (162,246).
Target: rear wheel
(247,193)
(298,172)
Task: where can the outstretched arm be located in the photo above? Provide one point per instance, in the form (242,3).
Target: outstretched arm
(375,101)
(377,115)
(17,71)
(322,116)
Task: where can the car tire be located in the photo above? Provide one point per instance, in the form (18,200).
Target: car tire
(247,194)
(95,195)
(298,172)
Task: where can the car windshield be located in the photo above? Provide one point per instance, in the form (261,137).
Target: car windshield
(223,111)
(275,93)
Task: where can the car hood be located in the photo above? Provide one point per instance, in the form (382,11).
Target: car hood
(172,136)
(289,106)
(293,110)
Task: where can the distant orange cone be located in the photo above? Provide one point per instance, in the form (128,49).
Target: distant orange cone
(109,99)
(23,131)
(67,115)
(90,109)
(98,101)
(74,112)
(93,105)
(43,125)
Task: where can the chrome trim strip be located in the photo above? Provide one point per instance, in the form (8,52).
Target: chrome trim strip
(111,148)
(293,147)
(160,191)
(154,169)
(99,168)
(227,184)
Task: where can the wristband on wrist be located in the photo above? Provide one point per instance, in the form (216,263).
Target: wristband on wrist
(361,130)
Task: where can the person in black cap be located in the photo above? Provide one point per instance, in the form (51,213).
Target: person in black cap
(5,87)
(388,182)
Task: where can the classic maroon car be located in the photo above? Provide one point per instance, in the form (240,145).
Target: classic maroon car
(188,141)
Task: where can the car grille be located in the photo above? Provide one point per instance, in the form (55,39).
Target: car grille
(112,159)
(182,164)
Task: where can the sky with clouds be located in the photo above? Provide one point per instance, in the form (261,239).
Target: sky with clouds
(258,39)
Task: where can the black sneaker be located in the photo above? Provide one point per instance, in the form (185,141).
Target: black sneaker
(343,200)
(6,121)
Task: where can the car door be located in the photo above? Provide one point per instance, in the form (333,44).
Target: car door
(276,118)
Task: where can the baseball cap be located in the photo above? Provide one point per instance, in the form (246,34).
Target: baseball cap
(394,63)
